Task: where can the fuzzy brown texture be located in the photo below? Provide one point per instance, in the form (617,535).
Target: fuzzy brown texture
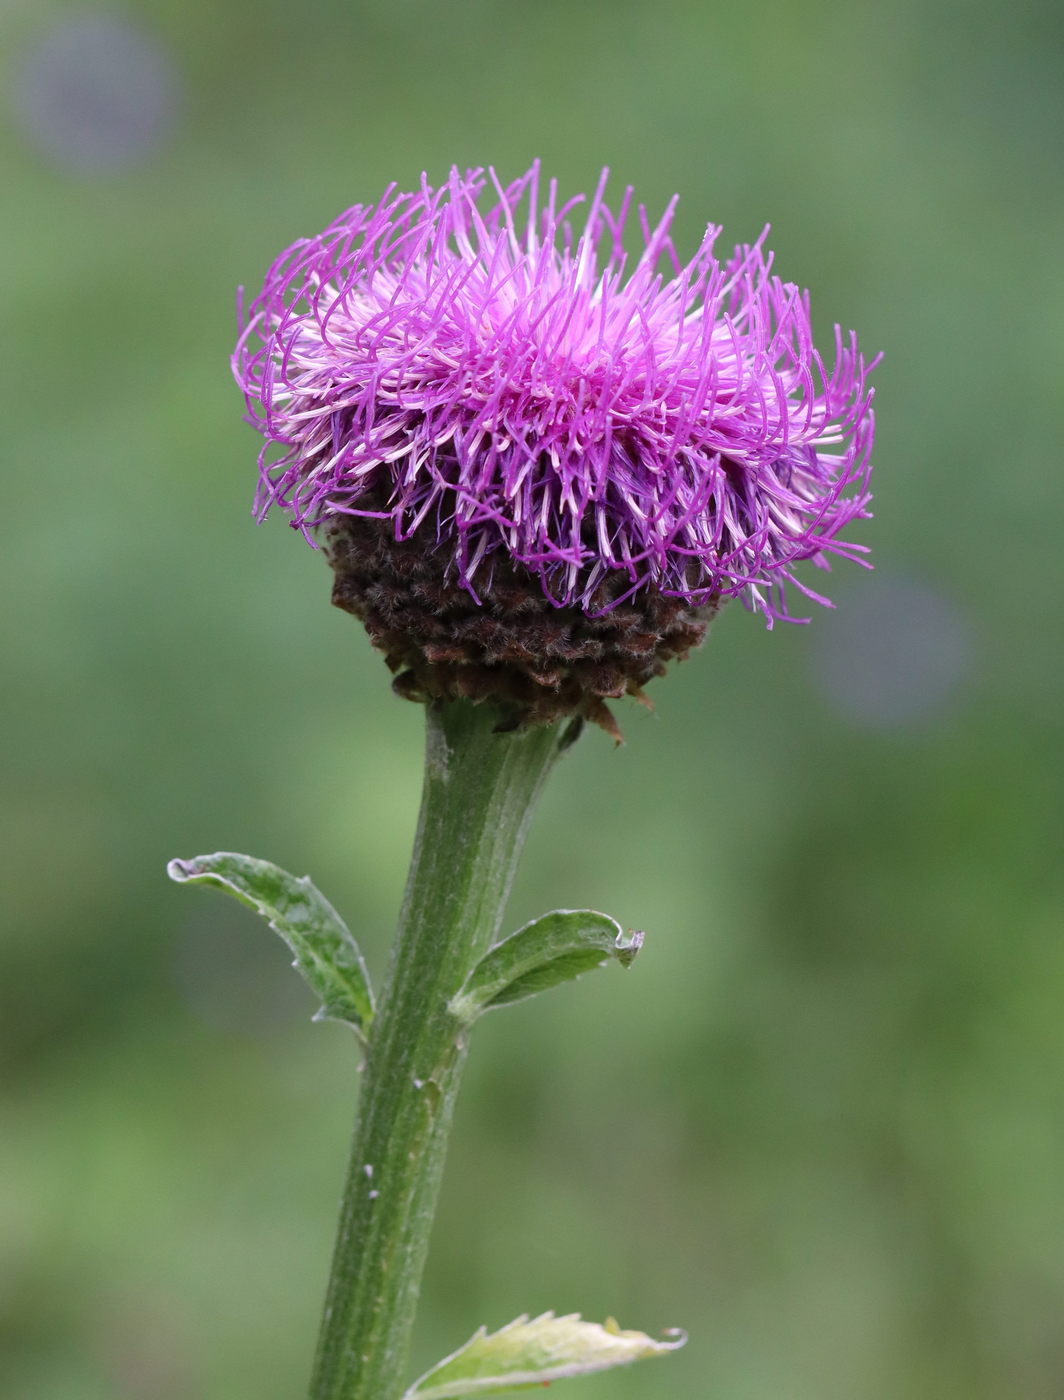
(537,661)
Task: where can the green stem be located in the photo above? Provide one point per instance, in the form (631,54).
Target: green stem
(479,790)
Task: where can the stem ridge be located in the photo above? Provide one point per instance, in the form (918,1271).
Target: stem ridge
(480,787)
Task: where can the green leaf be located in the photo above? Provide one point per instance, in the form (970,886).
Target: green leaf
(533,1353)
(325,952)
(555,948)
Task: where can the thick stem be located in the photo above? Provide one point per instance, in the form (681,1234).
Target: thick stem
(480,787)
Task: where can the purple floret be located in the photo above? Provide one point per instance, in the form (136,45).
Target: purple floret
(514,384)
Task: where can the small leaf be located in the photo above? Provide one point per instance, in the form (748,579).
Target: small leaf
(555,948)
(534,1353)
(325,952)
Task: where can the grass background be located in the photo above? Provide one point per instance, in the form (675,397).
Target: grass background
(820,1124)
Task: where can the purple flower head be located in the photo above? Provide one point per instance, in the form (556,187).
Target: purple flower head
(522,388)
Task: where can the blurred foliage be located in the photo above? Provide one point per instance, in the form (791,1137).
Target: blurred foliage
(820,1123)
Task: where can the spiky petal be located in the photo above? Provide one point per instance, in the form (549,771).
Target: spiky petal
(501,383)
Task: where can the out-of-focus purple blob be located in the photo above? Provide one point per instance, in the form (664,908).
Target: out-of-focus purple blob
(895,657)
(96,94)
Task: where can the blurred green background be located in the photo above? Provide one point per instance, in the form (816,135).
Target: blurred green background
(821,1124)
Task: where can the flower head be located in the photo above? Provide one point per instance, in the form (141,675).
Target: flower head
(516,396)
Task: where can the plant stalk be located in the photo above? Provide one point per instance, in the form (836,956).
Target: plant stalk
(479,790)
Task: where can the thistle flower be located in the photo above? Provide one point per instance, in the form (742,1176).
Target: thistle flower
(538,464)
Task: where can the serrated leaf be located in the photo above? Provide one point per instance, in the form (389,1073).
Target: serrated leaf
(552,949)
(534,1352)
(325,952)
